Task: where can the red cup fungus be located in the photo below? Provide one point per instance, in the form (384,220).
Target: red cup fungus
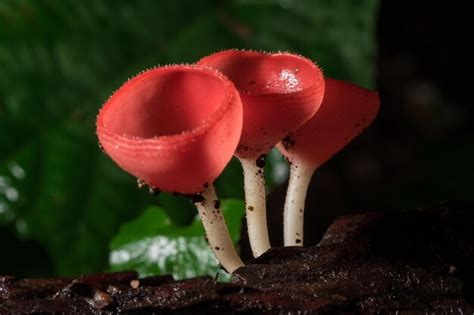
(279,92)
(344,114)
(176,128)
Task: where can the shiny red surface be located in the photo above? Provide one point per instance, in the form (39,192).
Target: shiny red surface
(279,93)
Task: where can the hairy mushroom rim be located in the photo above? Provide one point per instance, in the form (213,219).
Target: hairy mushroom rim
(174,101)
(261,73)
(163,122)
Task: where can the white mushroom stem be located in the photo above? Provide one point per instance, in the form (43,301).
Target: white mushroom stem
(217,233)
(293,215)
(255,206)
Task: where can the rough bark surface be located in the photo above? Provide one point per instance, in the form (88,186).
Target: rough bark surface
(400,262)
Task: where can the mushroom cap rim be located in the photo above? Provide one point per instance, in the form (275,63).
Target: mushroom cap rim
(314,65)
(176,140)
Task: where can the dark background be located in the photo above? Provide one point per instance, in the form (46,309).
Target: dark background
(420,149)
(59,60)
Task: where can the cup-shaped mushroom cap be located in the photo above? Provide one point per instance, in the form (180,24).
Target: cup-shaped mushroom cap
(279,92)
(347,110)
(174,127)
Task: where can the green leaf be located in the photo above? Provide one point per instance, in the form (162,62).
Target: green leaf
(230,184)
(276,169)
(178,208)
(152,245)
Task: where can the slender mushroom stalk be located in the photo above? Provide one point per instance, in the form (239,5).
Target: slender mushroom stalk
(279,93)
(176,128)
(217,233)
(344,114)
(293,213)
(255,199)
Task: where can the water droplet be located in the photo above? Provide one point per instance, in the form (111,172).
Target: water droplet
(3,207)
(17,170)
(4,182)
(5,212)
(11,194)
(21,227)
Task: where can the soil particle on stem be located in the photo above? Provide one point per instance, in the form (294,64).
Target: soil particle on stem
(260,162)
(288,143)
(196,198)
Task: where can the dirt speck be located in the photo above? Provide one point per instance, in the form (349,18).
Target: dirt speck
(135,283)
(196,198)
(153,191)
(260,162)
(287,142)
(140,183)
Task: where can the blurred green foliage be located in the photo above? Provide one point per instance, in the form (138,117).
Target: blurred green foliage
(152,244)
(59,61)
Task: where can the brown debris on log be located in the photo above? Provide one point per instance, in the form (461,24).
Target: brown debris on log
(410,262)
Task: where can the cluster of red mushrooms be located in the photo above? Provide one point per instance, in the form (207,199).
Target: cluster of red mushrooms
(176,127)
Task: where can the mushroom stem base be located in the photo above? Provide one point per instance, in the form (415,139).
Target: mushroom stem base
(293,214)
(255,205)
(217,233)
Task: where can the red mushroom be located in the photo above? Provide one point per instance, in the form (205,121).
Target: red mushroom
(279,92)
(346,111)
(176,128)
